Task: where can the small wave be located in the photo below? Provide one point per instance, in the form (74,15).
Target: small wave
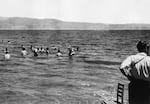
(56,84)
(7,71)
(102,62)
(49,75)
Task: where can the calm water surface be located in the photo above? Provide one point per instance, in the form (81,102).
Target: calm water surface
(89,77)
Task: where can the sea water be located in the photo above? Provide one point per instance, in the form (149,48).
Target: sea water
(89,77)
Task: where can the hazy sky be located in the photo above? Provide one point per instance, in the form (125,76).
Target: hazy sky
(98,11)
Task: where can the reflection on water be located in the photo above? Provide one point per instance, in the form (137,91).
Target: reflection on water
(89,77)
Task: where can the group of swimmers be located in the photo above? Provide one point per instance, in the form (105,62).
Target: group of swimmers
(41,50)
(36,50)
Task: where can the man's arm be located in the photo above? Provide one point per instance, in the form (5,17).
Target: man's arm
(126,74)
(123,72)
(126,67)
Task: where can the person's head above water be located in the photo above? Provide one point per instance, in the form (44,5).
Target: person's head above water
(23,48)
(6,51)
(142,46)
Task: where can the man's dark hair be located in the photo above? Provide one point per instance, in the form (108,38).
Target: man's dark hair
(142,46)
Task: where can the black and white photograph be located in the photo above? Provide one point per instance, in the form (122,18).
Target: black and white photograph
(74,52)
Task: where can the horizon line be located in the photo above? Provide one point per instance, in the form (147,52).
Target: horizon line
(76,21)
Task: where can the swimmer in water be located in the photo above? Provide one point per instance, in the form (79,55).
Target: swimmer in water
(35,53)
(71,51)
(59,53)
(24,52)
(42,50)
(77,48)
(8,42)
(34,50)
(7,55)
(47,51)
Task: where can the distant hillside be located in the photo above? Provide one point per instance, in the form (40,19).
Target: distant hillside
(53,24)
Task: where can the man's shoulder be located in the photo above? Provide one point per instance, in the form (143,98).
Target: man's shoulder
(131,56)
(137,57)
(147,57)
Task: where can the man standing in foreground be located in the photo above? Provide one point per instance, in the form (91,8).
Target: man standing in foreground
(137,69)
